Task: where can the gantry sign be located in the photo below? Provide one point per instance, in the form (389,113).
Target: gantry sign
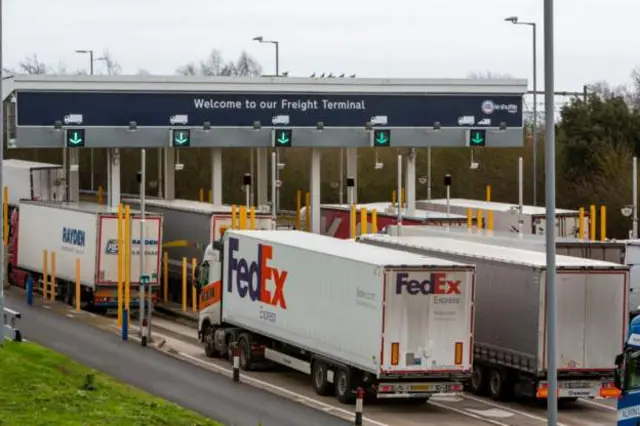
(151,112)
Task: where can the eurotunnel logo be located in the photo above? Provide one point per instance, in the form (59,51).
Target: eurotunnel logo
(489,107)
(437,284)
(258,280)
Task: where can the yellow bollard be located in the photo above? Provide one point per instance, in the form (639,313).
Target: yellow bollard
(393,198)
(120,258)
(374,221)
(581,224)
(243,217)
(403,198)
(184,284)
(490,220)
(210,196)
(479,221)
(488,192)
(127,262)
(165,276)
(234,210)
(201,195)
(307,211)
(353,232)
(469,218)
(298,209)
(78,290)
(100,194)
(194,285)
(5,207)
(45,274)
(592,223)
(603,223)
(364,222)
(53,276)
(252,218)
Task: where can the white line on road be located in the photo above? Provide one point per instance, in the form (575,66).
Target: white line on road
(507,408)
(597,404)
(467,414)
(296,396)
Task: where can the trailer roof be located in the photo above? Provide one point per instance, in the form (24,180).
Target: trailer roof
(516,256)
(186,205)
(30,165)
(82,206)
(348,249)
(381,208)
(496,207)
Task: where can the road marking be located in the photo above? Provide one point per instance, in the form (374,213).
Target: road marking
(46,306)
(492,412)
(513,410)
(467,414)
(296,396)
(597,404)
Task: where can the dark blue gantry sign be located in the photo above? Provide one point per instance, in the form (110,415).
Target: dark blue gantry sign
(148,113)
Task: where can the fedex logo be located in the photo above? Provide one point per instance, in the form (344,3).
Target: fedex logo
(437,284)
(260,281)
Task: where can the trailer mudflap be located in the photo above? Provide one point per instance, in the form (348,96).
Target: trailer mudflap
(416,389)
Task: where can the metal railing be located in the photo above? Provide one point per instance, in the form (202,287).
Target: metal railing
(11,318)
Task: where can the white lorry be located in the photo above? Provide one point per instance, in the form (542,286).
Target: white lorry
(507,217)
(88,232)
(188,227)
(625,252)
(510,317)
(398,325)
(30,180)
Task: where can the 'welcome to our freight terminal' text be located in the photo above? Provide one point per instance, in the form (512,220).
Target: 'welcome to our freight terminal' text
(281,105)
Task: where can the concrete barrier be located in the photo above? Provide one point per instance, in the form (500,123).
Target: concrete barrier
(11,318)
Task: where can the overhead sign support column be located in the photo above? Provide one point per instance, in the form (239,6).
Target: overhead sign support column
(113,186)
(262,176)
(410,181)
(315,190)
(352,172)
(169,173)
(216,176)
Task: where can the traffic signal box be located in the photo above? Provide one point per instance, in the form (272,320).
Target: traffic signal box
(476,137)
(381,138)
(180,138)
(282,138)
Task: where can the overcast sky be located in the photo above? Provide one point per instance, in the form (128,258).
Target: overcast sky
(595,39)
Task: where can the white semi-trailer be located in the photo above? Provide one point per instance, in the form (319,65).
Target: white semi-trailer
(88,232)
(511,326)
(347,314)
(31,180)
(188,227)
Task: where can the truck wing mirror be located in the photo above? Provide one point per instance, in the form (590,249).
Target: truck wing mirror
(617,380)
(619,359)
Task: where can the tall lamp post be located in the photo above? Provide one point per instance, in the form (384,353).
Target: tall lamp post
(261,39)
(92,60)
(534,125)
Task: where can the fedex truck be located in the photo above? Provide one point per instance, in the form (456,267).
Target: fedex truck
(349,315)
(511,317)
(188,227)
(84,231)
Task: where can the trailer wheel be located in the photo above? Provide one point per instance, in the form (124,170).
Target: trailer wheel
(319,373)
(478,382)
(245,352)
(498,385)
(344,386)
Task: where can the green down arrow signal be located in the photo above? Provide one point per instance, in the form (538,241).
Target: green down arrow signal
(75,139)
(477,139)
(181,138)
(382,138)
(283,139)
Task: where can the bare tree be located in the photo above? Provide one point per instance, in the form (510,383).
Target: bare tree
(215,65)
(32,65)
(489,75)
(143,72)
(113,67)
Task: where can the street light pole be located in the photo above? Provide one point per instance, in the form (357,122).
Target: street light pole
(261,39)
(534,124)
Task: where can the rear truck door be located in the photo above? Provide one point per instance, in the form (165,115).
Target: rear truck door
(428,321)
(591,325)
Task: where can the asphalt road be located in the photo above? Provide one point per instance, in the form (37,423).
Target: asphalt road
(205,392)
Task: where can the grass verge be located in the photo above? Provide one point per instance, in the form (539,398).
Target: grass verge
(41,387)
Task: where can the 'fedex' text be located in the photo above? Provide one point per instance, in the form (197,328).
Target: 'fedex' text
(437,284)
(257,279)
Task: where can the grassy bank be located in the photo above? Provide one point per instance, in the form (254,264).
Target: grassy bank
(42,387)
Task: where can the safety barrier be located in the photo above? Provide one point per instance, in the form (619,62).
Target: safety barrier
(11,318)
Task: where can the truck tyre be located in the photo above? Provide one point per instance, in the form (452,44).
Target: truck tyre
(208,333)
(245,352)
(320,384)
(478,381)
(498,385)
(344,386)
